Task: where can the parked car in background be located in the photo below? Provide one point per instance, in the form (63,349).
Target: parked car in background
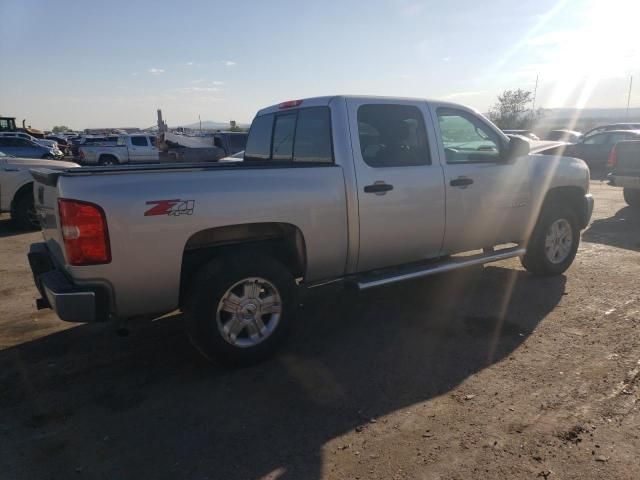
(128,149)
(64,144)
(24,148)
(594,149)
(42,141)
(611,127)
(91,140)
(624,167)
(230,142)
(570,136)
(16,187)
(364,190)
(523,133)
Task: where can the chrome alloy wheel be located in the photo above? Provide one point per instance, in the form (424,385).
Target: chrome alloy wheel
(558,242)
(249,312)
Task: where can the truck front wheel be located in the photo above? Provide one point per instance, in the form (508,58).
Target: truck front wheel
(632,197)
(239,308)
(554,242)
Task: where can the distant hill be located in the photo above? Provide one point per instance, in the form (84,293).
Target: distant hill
(616,114)
(583,119)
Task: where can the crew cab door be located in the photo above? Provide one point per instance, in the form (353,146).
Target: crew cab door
(487,195)
(401,201)
(140,149)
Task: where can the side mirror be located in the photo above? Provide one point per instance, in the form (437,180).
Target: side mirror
(518,147)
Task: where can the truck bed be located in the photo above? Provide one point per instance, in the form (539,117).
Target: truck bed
(50,177)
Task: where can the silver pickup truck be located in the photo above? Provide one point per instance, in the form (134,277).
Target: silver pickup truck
(136,148)
(362,190)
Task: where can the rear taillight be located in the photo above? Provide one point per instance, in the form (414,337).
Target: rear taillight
(84,230)
(612,161)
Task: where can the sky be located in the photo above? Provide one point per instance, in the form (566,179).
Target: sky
(112,64)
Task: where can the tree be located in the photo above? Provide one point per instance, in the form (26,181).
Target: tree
(512,111)
(60,128)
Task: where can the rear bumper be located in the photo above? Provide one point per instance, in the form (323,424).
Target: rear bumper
(71,302)
(587,210)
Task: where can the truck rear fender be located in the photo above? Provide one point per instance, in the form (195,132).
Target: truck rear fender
(283,241)
(25,189)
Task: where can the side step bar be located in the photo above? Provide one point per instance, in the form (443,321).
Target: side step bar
(366,282)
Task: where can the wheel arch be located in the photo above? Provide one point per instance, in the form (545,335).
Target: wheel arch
(283,241)
(102,156)
(572,196)
(24,189)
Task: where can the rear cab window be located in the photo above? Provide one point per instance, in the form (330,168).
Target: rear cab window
(299,136)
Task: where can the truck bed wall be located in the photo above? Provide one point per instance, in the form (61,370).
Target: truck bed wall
(147,250)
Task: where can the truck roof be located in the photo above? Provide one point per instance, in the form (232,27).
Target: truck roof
(326,100)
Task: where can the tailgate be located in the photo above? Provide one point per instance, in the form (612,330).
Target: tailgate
(628,159)
(45,196)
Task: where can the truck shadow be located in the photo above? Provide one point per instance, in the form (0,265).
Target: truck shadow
(9,229)
(147,406)
(622,230)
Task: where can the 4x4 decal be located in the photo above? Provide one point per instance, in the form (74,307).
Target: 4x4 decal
(170,207)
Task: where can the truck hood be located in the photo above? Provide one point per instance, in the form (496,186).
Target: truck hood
(559,171)
(35,162)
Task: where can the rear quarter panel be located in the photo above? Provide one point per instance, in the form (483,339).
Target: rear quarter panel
(144,274)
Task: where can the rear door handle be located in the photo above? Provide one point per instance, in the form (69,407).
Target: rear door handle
(379,188)
(461,182)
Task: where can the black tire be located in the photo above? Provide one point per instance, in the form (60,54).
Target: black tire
(107,160)
(632,197)
(48,156)
(536,260)
(210,285)
(23,212)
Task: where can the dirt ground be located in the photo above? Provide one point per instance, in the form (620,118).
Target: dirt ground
(487,373)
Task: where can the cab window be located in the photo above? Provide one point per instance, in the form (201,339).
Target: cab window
(597,139)
(466,139)
(139,141)
(392,136)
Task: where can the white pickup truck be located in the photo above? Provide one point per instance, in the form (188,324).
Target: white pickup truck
(363,190)
(136,148)
(16,187)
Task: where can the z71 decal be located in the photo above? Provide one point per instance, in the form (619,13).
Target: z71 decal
(170,207)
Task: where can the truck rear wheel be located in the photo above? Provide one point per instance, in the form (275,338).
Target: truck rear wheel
(632,197)
(240,308)
(554,242)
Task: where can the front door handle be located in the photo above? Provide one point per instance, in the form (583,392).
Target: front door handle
(379,188)
(461,182)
